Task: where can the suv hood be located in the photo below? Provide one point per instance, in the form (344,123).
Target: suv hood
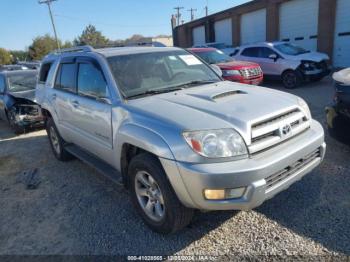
(28,95)
(312,56)
(220,105)
(237,65)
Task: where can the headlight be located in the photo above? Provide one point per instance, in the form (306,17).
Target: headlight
(230,73)
(305,107)
(216,143)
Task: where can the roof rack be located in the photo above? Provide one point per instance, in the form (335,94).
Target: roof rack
(85,48)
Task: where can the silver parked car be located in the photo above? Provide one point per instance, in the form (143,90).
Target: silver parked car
(290,63)
(179,137)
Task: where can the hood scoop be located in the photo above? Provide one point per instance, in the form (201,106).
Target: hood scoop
(226,94)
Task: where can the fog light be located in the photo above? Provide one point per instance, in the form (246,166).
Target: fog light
(214,194)
(222,194)
(235,192)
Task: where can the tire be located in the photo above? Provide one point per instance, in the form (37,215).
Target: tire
(291,79)
(172,216)
(56,142)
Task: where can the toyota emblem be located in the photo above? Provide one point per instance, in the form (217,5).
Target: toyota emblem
(286,130)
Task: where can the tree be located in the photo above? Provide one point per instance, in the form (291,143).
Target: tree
(90,36)
(42,45)
(18,55)
(5,57)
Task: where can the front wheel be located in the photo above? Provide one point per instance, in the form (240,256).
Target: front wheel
(154,198)
(291,79)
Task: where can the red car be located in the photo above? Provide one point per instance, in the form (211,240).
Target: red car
(232,70)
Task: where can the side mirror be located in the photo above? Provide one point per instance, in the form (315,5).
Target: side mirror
(273,57)
(216,69)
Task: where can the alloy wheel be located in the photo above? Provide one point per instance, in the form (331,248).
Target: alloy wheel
(149,196)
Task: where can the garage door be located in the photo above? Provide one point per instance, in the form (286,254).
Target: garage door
(253,27)
(342,34)
(223,31)
(298,23)
(198,34)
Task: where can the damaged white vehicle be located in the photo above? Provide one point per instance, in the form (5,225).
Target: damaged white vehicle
(17,100)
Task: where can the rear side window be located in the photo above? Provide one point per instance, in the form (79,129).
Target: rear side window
(2,84)
(266,52)
(251,52)
(44,72)
(66,77)
(91,82)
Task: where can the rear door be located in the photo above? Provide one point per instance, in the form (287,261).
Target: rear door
(62,96)
(92,109)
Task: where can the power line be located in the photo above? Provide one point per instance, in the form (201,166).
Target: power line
(192,13)
(48,3)
(106,24)
(178,15)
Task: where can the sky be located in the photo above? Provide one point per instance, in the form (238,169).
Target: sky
(22,20)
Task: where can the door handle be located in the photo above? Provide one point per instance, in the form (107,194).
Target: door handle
(75,104)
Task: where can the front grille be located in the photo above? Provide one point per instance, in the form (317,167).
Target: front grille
(251,72)
(322,65)
(282,175)
(272,131)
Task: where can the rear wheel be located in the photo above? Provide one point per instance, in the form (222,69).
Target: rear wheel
(291,79)
(56,141)
(154,198)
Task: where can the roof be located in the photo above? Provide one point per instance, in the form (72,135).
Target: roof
(201,49)
(107,52)
(17,72)
(133,50)
(263,44)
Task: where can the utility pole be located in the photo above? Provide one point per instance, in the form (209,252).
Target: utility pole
(178,15)
(192,13)
(48,2)
(206,11)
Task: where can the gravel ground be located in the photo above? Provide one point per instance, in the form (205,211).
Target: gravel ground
(77,211)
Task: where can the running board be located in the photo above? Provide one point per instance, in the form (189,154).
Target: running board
(101,166)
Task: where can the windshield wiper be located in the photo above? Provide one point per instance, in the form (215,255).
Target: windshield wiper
(195,83)
(155,92)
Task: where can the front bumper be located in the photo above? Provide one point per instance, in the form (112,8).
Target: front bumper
(190,180)
(253,81)
(316,74)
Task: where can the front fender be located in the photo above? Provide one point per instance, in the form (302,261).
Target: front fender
(143,138)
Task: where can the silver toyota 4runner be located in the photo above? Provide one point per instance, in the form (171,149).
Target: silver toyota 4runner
(178,137)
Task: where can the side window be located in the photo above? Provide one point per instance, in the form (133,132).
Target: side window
(44,72)
(91,82)
(65,79)
(265,52)
(2,84)
(251,52)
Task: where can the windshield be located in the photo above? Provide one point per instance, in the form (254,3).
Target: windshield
(148,73)
(290,49)
(23,81)
(218,45)
(214,57)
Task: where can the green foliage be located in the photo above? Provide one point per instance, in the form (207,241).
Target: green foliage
(42,45)
(90,36)
(5,57)
(19,55)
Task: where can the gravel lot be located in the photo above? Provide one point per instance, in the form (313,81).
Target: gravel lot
(77,211)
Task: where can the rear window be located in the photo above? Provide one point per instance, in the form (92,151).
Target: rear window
(66,78)
(44,72)
(251,52)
